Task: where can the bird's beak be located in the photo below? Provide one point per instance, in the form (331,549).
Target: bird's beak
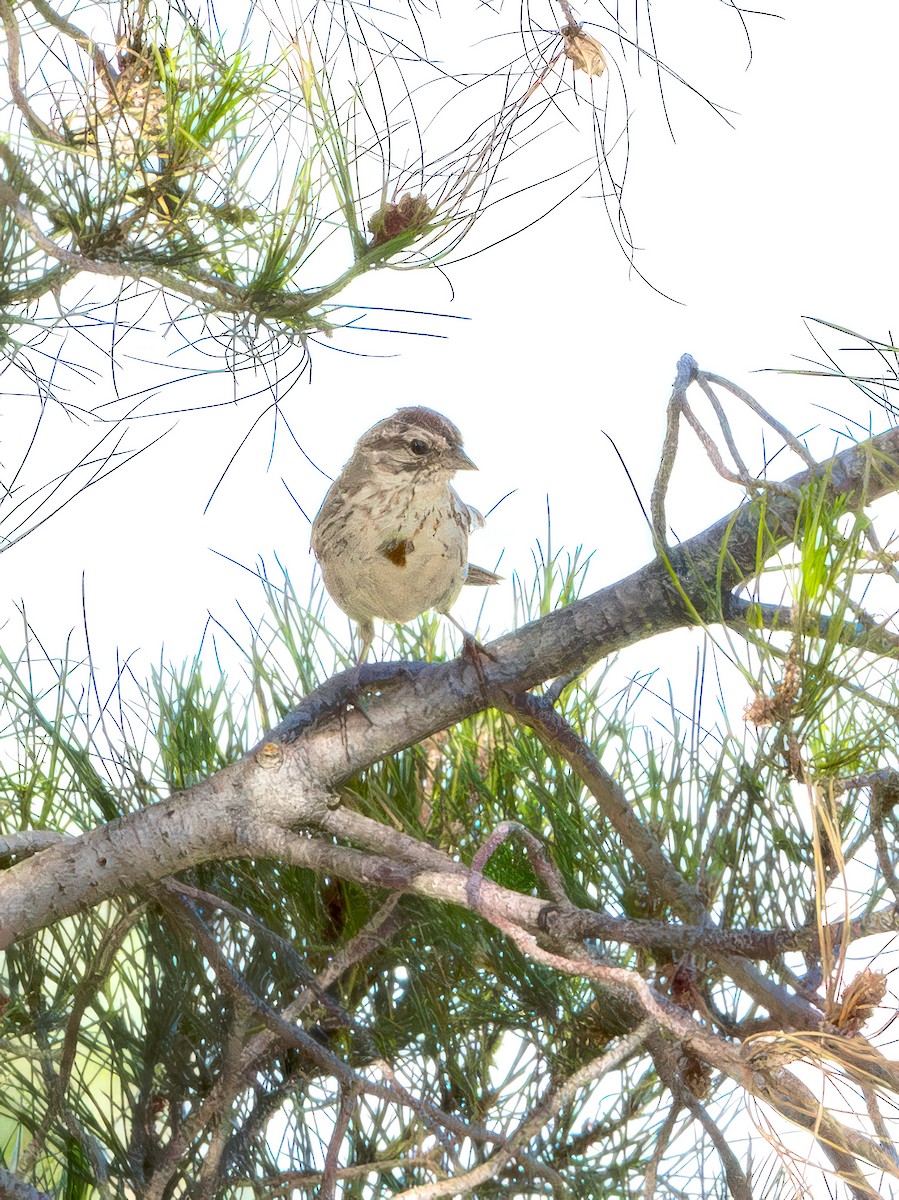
(459,460)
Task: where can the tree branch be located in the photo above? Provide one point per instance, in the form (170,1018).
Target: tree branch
(262,1045)
(532,1123)
(665,1061)
(864,632)
(14,40)
(12,1188)
(286,783)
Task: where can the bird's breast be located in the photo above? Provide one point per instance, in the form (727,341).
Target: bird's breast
(394,549)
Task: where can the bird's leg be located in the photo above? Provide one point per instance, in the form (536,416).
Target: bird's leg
(366,632)
(471,647)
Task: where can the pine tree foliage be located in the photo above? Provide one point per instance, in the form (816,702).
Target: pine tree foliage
(232,171)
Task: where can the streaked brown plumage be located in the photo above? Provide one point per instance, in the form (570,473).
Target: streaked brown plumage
(391,536)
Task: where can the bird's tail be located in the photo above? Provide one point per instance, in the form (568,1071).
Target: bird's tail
(481,577)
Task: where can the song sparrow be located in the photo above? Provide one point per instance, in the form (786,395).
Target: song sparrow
(391,536)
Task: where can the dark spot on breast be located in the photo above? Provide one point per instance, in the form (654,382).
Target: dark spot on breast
(397,551)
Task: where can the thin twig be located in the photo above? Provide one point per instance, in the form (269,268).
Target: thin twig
(686,372)
(14,45)
(539,859)
(215,1151)
(221,295)
(881,556)
(671,1076)
(718,409)
(791,440)
(663,1138)
(745,480)
(289,1181)
(772,1083)
(882,850)
(887,1143)
(679,406)
(79,37)
(865,632)
(345,1111)
(528,1129)
(555,732)
(379,928)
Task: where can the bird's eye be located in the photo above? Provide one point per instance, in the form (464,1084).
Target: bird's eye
(417,446)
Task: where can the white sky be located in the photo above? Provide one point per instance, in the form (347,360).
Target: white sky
(789,213)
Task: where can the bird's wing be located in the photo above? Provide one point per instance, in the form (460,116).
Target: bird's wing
(467,514)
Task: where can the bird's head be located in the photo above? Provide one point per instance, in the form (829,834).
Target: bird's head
(413,442)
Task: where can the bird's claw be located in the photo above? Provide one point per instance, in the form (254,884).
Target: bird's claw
(474,653)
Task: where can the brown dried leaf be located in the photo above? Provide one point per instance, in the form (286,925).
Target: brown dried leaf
(696,1075)
(774,710)
(408,215)
(585,52)
(762,710)
(860,998)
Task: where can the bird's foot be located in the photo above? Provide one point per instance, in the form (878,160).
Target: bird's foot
(474,651)
(476,654)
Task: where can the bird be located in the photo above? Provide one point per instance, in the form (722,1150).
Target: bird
(391,536)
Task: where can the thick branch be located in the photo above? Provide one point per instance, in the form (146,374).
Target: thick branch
(12,1188)
(127,854)
(284,782)
(650,601)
